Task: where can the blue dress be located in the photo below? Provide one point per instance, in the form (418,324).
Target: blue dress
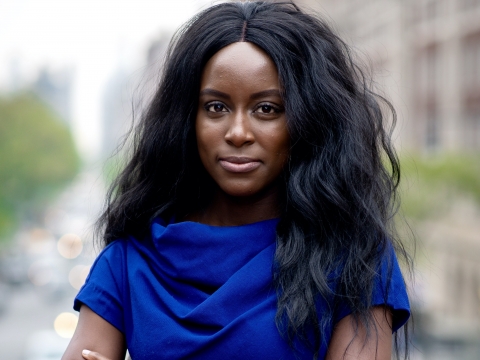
(194,291)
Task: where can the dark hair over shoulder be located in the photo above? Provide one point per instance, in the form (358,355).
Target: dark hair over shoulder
(342,174)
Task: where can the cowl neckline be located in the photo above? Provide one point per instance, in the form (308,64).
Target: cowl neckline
(204,257)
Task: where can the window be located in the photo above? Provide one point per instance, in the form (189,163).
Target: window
(425,10)
(432,8)
(427,83)
(428,70)
(469,4)
(432,129)
(471,90)
(472,125)
(471,62)
(476,293)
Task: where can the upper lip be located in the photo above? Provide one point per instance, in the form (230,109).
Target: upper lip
(239,159)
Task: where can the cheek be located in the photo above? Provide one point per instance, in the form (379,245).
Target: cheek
(283,158)
(207,139)
(202,149)
(281,145)
(283,151)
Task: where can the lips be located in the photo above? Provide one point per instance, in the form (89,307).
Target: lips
(239,164)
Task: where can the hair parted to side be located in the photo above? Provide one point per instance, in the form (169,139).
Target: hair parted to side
(340,181)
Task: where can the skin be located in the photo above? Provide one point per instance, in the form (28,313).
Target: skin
(243,143)
(94,333)
(346,345)
(241,117)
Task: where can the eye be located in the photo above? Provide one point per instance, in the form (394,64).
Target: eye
(268,109)
(216,107)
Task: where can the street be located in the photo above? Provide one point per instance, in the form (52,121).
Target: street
(42,270)
(29,312)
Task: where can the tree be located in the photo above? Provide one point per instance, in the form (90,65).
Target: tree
(37,156)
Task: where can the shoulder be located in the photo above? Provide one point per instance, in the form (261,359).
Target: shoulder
(389,290)
(111,257)
(107,275)
(119,251)
(115,248)
(105,286)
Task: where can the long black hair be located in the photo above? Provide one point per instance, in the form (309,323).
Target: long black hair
(340,180)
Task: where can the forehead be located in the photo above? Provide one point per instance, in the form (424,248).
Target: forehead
(240,62)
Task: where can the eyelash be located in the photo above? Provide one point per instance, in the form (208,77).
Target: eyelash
(210,104)
(276,109)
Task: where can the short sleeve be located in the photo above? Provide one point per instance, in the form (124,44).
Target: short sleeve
(104,287)
(389,289)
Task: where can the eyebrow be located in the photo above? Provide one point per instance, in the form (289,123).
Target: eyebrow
(264,93)
(214,93)
(257,95)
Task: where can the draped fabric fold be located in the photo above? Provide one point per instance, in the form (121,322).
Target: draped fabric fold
(194,291)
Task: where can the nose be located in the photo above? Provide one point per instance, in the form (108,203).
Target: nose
(239,132)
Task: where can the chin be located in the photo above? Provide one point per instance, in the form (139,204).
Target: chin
(239,191)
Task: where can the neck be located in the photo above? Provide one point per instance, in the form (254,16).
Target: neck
(226,210)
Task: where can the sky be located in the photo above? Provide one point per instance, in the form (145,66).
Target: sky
(92,37)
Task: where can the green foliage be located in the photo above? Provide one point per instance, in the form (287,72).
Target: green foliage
(430,184)
(37,156)
(112,167)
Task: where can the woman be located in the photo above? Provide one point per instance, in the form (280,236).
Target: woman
(254,218)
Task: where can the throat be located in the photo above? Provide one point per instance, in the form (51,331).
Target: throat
(226,210)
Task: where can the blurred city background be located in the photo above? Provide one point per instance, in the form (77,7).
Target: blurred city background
(73,74)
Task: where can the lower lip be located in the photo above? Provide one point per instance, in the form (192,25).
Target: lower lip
(239,168)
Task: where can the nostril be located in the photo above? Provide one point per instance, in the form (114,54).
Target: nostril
(239,133)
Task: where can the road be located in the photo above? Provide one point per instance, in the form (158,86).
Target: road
(43,271)
(28,312)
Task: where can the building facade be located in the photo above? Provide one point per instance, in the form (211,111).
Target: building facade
(425,56)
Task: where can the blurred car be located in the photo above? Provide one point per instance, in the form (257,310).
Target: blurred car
(14,268)
(45,345)
(4,297)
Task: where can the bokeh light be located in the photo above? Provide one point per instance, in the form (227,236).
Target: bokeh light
(39,242)
(70,246)
(78,275)
(65,324)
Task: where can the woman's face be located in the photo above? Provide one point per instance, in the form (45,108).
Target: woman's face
(241,128)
